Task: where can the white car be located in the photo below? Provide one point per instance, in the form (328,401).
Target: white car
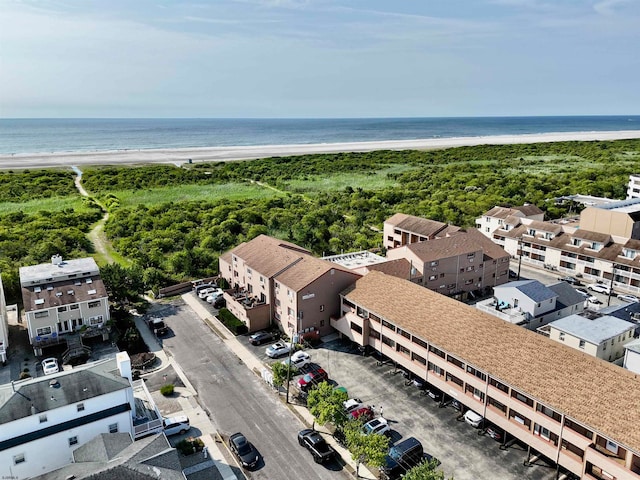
(178,425)
(352,404)
(278,349)
(599,287)
(298,360)
(50,365)
(474,419)
(628,298)
(214,296)
(378,425)
(206,292)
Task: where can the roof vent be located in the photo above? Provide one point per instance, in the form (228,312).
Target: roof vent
(56,259)
(54,383)
(33,410)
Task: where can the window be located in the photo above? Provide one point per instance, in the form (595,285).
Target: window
(62,309)
(374,334)
(582,343)
(17,459)
(612,447)
(73,441)
(454,379)
(388,341)
(403,349)
(476,373)
(404,333)
(290,311)
(390,326)
(375,318)
(417,358)
(322,308)
(548,412)
(75,306)
(496,404)
(41,315)
(43,331)
(432,277)
(517,395)
(561,336)
(435,369)
(356,328)
(361,312)
(43,418)
(113,428)
(417,341)
(80,407)
(455,361)
(438,352)
(94,304)
(498,385)
(434,263)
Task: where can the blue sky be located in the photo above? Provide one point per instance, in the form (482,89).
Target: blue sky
(318,58)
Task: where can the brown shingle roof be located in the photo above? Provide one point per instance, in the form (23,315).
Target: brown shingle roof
(545,226)
(418,225)
(398,268)
(268,255)
(592,236)
(306,270)
(62,293)
(502,212)
(593,392)
(529,210)
(456,244)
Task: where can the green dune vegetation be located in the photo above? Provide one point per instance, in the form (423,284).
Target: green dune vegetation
(171,223)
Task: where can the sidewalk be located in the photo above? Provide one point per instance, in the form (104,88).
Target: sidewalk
(257,366)
(187,400)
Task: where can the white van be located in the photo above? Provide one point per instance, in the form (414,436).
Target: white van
(473,419)
(176,425)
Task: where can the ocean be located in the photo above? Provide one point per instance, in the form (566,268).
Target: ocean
(65,135)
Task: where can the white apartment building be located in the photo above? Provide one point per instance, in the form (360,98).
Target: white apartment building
(504,217)
(633,189)
(632,356)
(44,419)
(61,297)
(4,325)
(601,336)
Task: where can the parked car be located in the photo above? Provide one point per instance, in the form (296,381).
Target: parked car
(434,393)
(364,414)
(259,338)
(495,432)
(599,287)
(311,379)
(352,404)
(512,274)
(157,326)
(50,366)
(278,349)
(202,286)
(594,300)
(220,303)
(583,292)
(378,425)
(299,360)
(474,419)
(402,457)
(244,450)
(214,296)
(176,425)
(205,292)
(316,444)
(625,297)
(571,280)
(457,405)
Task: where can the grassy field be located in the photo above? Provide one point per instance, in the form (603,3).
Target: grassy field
(232,191)
(54,204)
(366,181)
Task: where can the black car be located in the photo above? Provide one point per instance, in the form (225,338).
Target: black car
(434,393)
(244,450)
(220,303)
(571,280)
(260,337)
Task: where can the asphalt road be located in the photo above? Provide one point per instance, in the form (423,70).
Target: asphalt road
(238,400)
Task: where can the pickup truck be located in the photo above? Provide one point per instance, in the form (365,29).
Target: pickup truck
(157,326)
(313,441)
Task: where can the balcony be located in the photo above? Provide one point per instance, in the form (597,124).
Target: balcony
(249,310)
(603,464)
(503,311)
(146,418)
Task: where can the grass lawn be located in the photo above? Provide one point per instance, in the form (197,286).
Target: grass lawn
(54,204)
(366,181)
(231,191)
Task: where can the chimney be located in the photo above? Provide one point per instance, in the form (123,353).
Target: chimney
(124,365)
(56,259)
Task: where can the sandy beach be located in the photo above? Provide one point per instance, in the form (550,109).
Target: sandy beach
(220,154)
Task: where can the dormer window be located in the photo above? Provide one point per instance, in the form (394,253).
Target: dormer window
(596,246)
(531,232)
(576,242)
(548,235)
(89,280)
(37,289)
(628,253)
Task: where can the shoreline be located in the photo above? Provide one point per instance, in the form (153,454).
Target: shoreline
(179,156)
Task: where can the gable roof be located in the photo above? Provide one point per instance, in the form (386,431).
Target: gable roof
(21,399)
(529,210)
(560,377)
(458,243)
(308,269)
(268,255)
(567,295)
(533,289)
(400,267)
(419,225)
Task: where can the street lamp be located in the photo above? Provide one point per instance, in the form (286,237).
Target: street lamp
(613,274)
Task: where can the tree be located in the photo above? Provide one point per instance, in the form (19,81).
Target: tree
(370,449)
(281,372)
(426,471)
(325,403)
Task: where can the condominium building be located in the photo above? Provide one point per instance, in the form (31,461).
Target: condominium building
(576,410)
(44,419)
(277,281)
(633,189)
(504,217)
(601,336)
(4,325)
(402,229)
(462,262)
(62,297)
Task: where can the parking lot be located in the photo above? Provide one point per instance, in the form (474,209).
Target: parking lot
(465,452)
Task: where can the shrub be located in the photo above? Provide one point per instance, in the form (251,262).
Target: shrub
(232,322)
(190,445)
(167,390)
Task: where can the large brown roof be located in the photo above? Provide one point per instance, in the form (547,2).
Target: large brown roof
(400,268)
(306,270)
(421,226)
(502,212)
(593,392)
(62,293)
(456,244)
(268,255)
(529,210)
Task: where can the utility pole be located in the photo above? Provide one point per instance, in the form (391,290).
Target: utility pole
(289,365)
(613,274)
(519,255)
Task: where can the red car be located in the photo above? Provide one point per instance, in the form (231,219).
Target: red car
(365,414)
(311,379)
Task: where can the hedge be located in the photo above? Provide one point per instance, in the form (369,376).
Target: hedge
(232,322)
